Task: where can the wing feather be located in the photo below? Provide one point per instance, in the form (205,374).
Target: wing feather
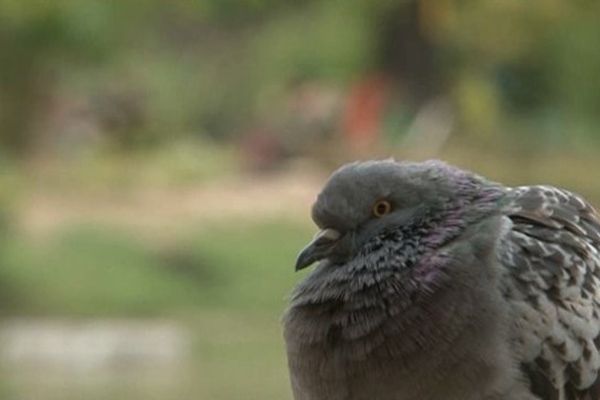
(552,284)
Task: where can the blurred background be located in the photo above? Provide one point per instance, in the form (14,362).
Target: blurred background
(158,161)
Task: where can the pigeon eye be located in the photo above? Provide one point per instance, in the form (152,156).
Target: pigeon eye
(381,208)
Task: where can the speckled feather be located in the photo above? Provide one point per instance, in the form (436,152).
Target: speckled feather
(552,284)
(481,292)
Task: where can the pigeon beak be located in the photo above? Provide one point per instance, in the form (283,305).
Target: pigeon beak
(318,248)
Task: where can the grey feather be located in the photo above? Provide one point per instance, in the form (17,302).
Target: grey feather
(466,290)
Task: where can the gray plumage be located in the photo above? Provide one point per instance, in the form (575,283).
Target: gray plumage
(461,289)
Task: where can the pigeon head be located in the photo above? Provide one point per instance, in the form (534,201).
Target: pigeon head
(363,200)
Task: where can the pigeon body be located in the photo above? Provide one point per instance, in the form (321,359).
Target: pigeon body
(435,283)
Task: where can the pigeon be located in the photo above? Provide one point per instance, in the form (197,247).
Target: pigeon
(432,282)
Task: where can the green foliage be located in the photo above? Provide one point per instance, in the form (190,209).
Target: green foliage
(175,164)
(85,272)
(257,260)
(89,270)
(540,58)
(36,38)
(321,42)
(217,68)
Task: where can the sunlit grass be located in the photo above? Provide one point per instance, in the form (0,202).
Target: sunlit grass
(226,285)
(91,270)
(103,170)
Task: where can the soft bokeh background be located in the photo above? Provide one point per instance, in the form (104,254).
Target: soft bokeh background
(158,160)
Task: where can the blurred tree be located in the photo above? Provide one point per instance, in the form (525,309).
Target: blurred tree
(41,40)
(539,57)
(156,70)
(406,53)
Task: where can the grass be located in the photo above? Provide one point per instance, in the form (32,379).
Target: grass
(226,284)
(104,171)
(236,355)
(239,355)
(100,271)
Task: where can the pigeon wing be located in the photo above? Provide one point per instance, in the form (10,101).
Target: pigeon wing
(552,285)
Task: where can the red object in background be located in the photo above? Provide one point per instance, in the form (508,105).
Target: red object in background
(363,114)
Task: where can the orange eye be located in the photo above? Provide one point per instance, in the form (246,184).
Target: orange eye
(381,208)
